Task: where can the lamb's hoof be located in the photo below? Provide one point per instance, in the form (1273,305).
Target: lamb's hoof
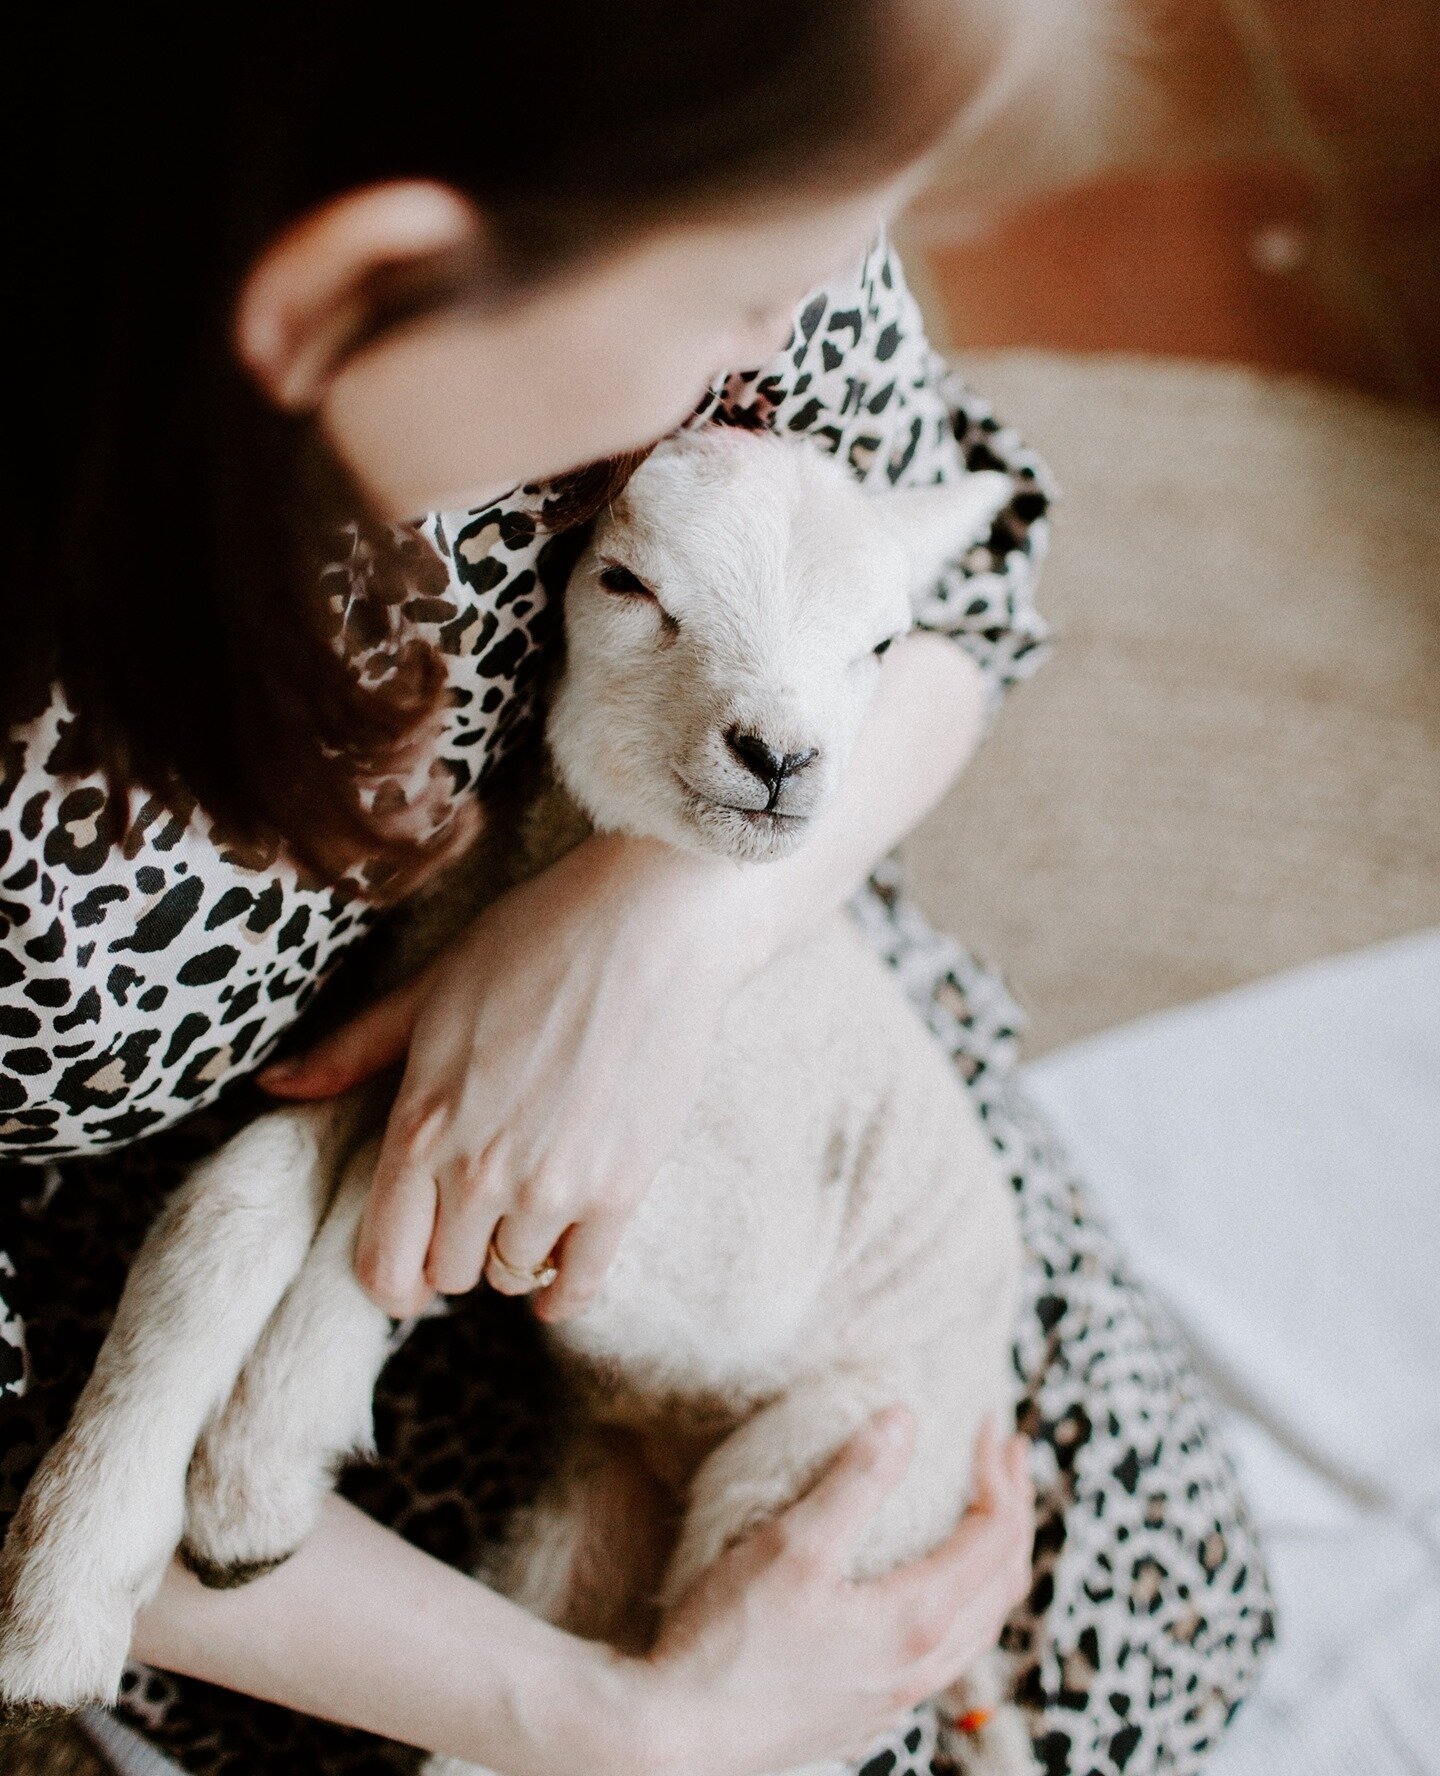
(228,1575)
(247,1509)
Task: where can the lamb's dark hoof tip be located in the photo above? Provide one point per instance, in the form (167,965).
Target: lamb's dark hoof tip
(17,1717)
(228,1576)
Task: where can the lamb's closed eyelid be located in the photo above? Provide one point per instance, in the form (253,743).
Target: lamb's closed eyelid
(621,581)
(624,581)
(873,654)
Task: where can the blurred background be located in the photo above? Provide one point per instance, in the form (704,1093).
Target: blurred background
(1191,250)
(1252,181)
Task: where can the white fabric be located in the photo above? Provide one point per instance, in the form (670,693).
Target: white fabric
(1271,1160)
(127,1753)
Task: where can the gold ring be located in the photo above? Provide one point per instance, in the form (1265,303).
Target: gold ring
(539,1278)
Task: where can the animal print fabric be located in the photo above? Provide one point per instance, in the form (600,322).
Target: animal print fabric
(1150,1611)
(138,977)
(140,981)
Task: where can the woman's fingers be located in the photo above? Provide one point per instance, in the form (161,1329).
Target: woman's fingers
(992,1535)
(393,1240)
(954,1601)
(520,1246)
(399,1219)
(471,1202)
(824,1525)
(585,1253)
(365,1046)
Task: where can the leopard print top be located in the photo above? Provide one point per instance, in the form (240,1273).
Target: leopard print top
(138,978)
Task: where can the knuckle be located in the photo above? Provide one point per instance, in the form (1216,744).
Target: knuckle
(559,1197)
(922,1635)
(469,1177)
(539,1194)
(417,1121)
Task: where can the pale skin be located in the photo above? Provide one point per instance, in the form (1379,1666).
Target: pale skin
(552,1058)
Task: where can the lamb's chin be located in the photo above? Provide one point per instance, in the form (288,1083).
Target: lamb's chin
(745,836)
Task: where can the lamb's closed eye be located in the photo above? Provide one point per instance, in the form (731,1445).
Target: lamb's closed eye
(619,578)
(624,582)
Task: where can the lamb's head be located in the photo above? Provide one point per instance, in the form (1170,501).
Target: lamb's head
(724,632)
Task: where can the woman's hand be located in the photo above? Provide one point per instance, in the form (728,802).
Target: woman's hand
(554,1054)
(774,1660)
(777,1660)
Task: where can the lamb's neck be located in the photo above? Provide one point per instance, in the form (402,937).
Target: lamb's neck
(554,823)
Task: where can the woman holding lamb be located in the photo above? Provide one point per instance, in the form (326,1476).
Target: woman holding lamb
(310,359)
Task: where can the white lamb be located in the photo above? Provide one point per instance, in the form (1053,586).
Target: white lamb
(831,1235)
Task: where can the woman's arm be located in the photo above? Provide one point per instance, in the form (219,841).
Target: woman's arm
(924,724)
(775,1658)
(555,1052)
(361,1627)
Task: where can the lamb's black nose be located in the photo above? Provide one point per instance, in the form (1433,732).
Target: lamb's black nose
(771,767)
(755,755)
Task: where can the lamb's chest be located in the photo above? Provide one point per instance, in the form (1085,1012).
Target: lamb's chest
(732,1267)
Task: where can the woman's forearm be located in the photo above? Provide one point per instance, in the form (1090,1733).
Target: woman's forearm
(362,1628)
(923,726)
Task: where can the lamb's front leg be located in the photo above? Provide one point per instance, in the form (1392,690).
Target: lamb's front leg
(103,1513)
(302,1404)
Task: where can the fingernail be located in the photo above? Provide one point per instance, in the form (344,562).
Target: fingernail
(279,1070)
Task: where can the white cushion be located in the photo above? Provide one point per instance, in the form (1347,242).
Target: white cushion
(1271,1160)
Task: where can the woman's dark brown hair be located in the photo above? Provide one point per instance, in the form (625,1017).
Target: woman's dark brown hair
(164,528)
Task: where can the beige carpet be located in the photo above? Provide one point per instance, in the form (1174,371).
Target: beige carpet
(1231,765)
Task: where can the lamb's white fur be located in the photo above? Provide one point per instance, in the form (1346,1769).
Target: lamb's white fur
(831,1234)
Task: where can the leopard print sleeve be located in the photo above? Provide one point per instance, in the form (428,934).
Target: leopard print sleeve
(859,377)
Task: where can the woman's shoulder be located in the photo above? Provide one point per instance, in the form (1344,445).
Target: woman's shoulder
(860,379)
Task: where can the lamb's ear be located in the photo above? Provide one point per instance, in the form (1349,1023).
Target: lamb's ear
(938,524)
